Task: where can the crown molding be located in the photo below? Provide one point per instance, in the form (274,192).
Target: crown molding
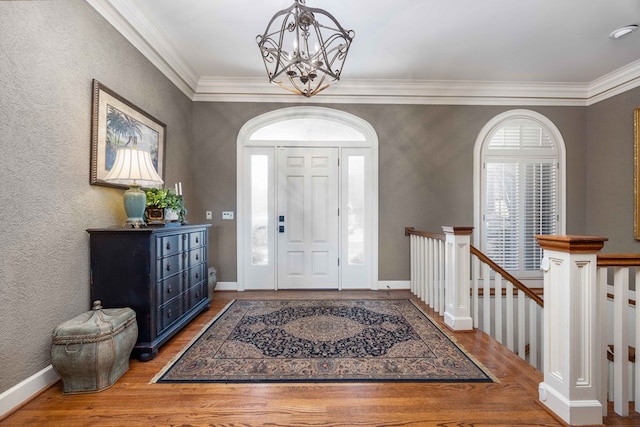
(128,17)
(398,92)
(621,80)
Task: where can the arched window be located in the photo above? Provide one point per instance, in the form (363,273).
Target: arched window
(519,163)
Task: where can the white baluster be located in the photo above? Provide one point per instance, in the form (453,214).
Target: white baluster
(510,318)
(486,299)
(475,273)
(498,306)
(441,278)
(620,341)
(603,337)
(533,333)
(522,337)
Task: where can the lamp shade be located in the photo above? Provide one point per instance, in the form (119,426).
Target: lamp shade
(133,166)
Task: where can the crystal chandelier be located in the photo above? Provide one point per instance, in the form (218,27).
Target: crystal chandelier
(304,49)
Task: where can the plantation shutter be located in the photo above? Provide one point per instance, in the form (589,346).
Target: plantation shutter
(540,209)
(502,207)
(519,195)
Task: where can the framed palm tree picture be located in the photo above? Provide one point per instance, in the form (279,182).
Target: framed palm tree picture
(117,123)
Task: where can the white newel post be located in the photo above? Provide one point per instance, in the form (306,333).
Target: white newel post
(457,314)
(571,356)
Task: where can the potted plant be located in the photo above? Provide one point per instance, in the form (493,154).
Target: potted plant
(164,206)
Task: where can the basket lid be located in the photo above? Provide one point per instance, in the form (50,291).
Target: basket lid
(97,324)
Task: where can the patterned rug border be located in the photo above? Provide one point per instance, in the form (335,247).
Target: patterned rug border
(157,379)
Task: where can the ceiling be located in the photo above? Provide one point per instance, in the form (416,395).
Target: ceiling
(405,51)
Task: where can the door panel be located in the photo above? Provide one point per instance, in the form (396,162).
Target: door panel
(308,204)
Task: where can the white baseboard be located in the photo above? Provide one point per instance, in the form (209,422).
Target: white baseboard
(227,286)
(25,390)
(384,285)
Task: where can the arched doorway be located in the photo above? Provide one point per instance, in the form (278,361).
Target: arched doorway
(307,201)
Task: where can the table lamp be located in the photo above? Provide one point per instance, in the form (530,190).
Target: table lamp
(133,167)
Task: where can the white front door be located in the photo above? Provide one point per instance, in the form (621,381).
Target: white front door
(307,218)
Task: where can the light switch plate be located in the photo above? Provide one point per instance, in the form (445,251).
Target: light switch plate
(227,215)
(208,215)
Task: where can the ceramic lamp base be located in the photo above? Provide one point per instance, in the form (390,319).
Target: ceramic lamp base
(135,201)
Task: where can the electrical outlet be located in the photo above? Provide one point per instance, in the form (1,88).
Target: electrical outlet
(227,215)
(208,215)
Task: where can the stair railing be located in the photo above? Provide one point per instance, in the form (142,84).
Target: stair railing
(619,331)
(515,322)
(591,328)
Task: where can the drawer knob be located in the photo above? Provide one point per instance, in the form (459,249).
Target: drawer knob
(197,275)
(169,313)
(197,257)
(184,255)
(168,266)
(168,246)
(197,239)
(169,289)
(184,237)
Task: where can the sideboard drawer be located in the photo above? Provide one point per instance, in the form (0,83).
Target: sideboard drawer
(196,256)
(196,274)
(169,266)
(196,294)
(168,245)
(169,288)
(168,313)
(196,239)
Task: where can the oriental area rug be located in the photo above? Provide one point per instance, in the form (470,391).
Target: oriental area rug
(322,341)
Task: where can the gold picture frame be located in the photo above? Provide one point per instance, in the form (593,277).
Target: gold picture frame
(636,171)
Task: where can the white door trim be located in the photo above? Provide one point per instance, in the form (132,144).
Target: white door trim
(244,140)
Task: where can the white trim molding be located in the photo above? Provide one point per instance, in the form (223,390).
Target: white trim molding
(22,392)
(227,286)
(392,285)
(128,18)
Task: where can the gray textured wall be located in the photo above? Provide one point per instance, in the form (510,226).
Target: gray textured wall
(610,169)
(425,170)
(49,53)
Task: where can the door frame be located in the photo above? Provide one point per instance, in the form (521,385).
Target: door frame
(370,141)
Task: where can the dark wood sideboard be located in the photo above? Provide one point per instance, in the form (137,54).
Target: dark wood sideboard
(159,272)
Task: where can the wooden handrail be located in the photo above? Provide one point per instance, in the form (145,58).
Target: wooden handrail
(515,282)
(618,260)
(408,231)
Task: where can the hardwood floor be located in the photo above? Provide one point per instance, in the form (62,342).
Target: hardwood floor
(132,401)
